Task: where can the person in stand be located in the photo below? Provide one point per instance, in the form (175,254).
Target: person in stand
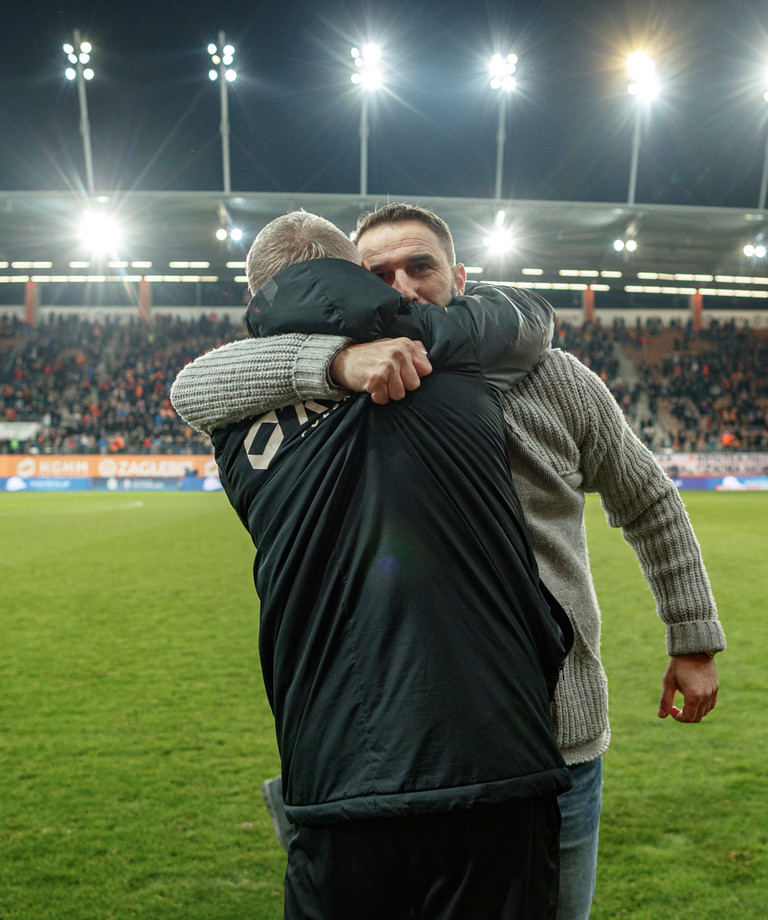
(565,437)
(408,648)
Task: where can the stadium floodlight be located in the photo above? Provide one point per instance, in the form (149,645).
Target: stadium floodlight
(79,57)
(223,57)
(756,250)
(504,82)
(235,234)
(644,86)
(621,245)
(499,240)
(368,76)
(100,233)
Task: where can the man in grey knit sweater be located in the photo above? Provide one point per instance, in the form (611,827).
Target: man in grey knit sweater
(566,436)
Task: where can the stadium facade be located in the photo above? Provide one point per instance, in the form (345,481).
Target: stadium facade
(587,258)
(179,255)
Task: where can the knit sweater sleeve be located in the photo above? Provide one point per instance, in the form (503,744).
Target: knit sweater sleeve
(251,376)
(639,498)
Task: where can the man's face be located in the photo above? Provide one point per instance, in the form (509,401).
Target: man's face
(410,258)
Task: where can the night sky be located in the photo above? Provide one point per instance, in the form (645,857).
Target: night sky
(294,114)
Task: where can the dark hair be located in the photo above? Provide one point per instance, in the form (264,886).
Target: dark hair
(399,213)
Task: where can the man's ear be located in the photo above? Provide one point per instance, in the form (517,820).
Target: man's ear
(460,277)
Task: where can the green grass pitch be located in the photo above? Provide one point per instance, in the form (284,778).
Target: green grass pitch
(135,733)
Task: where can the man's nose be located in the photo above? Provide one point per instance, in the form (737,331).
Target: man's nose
(404,285)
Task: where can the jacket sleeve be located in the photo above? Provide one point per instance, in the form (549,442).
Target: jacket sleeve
(252,376)
(639,498)
(511,330)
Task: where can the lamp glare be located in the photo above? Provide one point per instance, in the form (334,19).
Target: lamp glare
(100,232)
(501,70)
(642,72)
(498,241)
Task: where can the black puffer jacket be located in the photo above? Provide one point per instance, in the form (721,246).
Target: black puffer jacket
(408,651)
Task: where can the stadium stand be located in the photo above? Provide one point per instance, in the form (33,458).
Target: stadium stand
(102,386)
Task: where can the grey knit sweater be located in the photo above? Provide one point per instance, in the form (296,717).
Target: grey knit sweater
(566,436)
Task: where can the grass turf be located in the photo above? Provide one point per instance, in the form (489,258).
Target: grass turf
(134,729)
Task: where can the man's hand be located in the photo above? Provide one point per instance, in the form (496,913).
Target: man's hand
(695,676)
(386,368)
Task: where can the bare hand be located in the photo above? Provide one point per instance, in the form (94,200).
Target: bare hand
(695,676)
(386,368)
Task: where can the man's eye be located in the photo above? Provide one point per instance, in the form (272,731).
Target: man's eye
(422,267)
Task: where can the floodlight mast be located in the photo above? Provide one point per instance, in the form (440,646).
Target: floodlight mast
(644,87)
(764,179)
(367,77)
(364,132)
(78,55)
(502,79)
(631,193)
(222,57)
(763,182)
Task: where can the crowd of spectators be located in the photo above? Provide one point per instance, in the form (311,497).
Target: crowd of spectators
(708,391)
(599,348)
(101,386)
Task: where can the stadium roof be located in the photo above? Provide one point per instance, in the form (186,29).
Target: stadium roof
(552,236)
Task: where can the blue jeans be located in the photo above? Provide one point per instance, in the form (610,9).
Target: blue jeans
(580,813)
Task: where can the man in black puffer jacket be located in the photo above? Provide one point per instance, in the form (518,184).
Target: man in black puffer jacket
(408,649)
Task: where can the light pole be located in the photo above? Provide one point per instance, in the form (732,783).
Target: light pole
(503,81)
(764,180)
(644,87)
(223,56)
(368,77)
(79,56)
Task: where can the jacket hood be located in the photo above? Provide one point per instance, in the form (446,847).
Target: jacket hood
(327,297)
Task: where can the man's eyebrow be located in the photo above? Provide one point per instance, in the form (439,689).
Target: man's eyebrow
(422,257)
(382,262)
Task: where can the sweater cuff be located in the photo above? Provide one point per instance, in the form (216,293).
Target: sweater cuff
(311,376)
(696,636)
